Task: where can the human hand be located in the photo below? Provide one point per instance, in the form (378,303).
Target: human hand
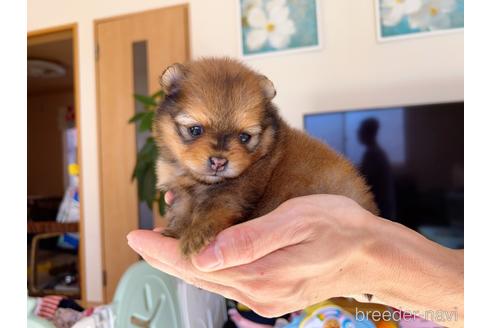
(307,250)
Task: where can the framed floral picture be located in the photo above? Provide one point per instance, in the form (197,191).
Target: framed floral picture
(397,19)
(275,26)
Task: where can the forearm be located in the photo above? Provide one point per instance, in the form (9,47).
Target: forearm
(417,275)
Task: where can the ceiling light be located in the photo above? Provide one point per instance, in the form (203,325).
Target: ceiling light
(45,69)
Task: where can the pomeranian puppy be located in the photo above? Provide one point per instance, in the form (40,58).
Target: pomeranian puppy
(228,156)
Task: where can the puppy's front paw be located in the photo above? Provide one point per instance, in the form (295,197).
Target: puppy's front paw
(171,232)
(196,237)
(175,226)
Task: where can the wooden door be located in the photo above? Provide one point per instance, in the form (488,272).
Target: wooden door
(132,52)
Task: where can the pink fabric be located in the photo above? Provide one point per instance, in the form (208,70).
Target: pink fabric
(47,306)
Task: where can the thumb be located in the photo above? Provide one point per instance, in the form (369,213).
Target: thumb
(249,241)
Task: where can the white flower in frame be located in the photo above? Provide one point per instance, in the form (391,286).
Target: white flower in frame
(434,15)
(246,5)
(275,3)
(392,11)
(276,27)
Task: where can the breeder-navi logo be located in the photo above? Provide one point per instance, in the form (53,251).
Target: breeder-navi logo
(400,315)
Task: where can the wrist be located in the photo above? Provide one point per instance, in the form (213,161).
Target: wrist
(413,273)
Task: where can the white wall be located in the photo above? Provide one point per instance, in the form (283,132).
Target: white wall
(352,71)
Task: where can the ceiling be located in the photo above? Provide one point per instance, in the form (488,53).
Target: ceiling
(56,49)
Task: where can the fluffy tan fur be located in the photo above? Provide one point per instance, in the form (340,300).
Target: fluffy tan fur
(228,104)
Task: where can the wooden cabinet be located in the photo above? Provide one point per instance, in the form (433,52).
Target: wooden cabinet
(52,114)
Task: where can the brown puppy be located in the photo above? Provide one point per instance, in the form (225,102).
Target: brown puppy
(228,157)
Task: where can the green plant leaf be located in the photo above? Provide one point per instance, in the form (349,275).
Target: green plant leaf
(148,152)
(158,95)
(146,100)
(144,170)
(137,117)
(140,185)
(148,187)
(146,122)
(139,169)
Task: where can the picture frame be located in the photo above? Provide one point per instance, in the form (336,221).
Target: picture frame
(311,42)
(385,34)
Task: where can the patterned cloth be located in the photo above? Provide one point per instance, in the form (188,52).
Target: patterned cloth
(47,306)
(98,317)
(66,318)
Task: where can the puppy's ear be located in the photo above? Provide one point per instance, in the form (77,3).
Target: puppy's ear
(171,78)
(268,87)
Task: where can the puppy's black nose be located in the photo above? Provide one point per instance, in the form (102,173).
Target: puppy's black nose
(217,163)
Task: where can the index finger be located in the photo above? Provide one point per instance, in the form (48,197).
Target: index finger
(155,245)
(166,250)
(249,241)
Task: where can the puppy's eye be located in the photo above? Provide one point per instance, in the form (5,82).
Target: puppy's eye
(244,137)
(195,130)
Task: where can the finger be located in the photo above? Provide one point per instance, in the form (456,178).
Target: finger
(168,198)
(163,253)
(189,278)
(167,251)
(225,291)
(155,245)
(159,229)
(246,242)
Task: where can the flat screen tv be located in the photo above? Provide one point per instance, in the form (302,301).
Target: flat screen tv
(412,158)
